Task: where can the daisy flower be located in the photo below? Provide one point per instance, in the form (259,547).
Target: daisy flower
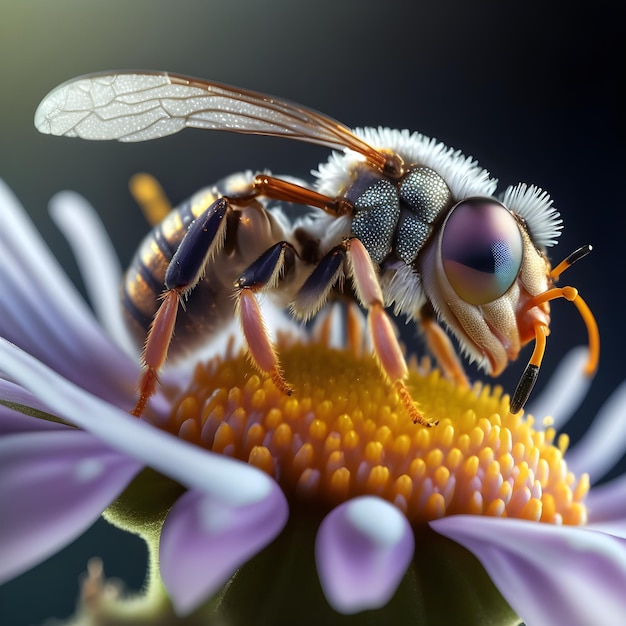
(328,506)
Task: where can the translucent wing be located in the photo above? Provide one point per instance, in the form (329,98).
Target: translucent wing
(138,106)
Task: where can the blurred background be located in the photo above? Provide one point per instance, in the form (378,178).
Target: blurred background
(529,89)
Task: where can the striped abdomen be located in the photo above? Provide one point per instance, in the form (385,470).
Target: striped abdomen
(251,231)
(144,280)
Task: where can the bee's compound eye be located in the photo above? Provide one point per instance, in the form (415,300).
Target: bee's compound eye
(481,249)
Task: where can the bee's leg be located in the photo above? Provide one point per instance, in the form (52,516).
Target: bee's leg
(441,347)
(202,241)
(278,189)
(313,294)
(384,341)
(156,347)
(261,275)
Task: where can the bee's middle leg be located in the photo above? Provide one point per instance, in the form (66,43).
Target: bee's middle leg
(262,275)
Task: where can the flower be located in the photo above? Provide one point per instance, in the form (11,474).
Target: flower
(59,479)
(370,495)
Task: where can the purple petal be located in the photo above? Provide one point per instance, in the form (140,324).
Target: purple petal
(53,486)
(97,262)
(606,505)
(46,316)
(231,481)
(12,421)
(23,243)
(204,541)
(363,549)
(548,574)
(603,444)
(13,393)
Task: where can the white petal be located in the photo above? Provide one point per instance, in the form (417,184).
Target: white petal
(550,575)
(233,482)
(97,261)
(363,549)
(604,442)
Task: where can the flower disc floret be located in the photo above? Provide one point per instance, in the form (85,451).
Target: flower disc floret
(344,433)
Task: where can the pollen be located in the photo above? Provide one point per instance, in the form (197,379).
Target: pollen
(344,432)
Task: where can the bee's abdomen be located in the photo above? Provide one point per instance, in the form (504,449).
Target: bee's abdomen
(144,279)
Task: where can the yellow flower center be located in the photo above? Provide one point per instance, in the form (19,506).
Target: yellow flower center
(345,433)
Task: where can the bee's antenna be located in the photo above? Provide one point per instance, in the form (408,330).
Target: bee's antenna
(394,164)
(529,377)
(531,373)
(582,252)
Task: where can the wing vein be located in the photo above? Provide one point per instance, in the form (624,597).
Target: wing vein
(137,106)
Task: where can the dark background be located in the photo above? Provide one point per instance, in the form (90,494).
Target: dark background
(528,88)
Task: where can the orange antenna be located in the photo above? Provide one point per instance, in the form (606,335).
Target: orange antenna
(531,373)
(582,252)
(529,377)
(571,294)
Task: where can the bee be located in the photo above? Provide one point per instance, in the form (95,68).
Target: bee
(394,220)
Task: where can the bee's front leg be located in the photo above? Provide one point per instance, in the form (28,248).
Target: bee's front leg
(384,341)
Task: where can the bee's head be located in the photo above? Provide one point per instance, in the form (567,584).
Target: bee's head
(488,277)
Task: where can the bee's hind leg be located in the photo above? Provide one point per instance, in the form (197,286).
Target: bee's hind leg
(263,274)
(202,241)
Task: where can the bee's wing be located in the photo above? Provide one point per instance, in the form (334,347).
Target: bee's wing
(137,106)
